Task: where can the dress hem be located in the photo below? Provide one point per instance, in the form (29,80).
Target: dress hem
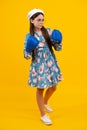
(44,87)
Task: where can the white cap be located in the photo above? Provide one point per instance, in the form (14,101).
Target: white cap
(34,11)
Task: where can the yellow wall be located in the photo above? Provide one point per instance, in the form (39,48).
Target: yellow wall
(69,16)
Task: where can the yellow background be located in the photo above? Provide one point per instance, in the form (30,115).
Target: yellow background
(18,108)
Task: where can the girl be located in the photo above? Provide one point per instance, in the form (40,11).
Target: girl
(44,70)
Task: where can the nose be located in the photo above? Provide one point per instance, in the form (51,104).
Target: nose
(41,21)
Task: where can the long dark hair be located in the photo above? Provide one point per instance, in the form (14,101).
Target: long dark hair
(44,33)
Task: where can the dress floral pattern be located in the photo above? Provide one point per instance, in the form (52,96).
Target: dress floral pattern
(44,70)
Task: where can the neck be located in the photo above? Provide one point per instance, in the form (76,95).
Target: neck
(37,30)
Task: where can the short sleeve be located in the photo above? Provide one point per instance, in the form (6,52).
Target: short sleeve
(57,46)
(26,54)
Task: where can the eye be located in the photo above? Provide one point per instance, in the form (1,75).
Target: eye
(40,20)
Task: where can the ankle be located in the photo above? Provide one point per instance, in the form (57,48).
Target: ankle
(43,113)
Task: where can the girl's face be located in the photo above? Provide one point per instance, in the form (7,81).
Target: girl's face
(38,21)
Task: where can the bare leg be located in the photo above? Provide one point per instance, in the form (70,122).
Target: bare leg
(49,93)
(40,100)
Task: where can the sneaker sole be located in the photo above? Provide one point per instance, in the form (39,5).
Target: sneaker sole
(46,123)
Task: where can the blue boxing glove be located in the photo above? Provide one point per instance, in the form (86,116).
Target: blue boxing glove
(56,35)
(56,38)
(31,44)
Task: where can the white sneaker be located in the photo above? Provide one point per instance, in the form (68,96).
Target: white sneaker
(48,108)
(46,120)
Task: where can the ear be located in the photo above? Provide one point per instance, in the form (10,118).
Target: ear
(32,21)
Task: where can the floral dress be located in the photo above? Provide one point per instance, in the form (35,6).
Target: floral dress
(44,70)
